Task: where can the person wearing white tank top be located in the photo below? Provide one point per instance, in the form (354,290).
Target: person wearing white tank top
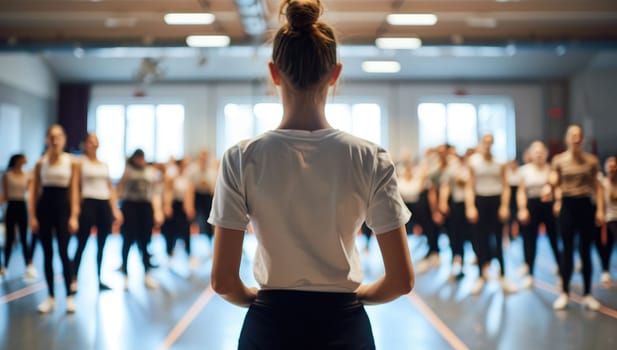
(487,206)
(535,205)
(610,198)
(99,207)
(15,183)
(54,204)
(179,210)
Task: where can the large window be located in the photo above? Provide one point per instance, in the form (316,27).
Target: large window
(157,129)
(461,124)
(242,121)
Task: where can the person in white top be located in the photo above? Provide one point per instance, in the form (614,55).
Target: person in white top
(203,178)
(179,210)
(54,208)
(610,199)
(15,183)
(452,206)
(534,197)
(99,207)
(306,189)
(487,206)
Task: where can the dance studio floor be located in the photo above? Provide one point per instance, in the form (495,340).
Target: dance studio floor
(184,313)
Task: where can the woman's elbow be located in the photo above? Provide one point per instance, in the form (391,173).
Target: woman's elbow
(222,284)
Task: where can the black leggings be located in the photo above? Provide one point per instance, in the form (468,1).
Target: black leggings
(281,320)
(137,227)
(422,216)
(203,206)
(606,250)
(177,227)
(53,211)
(576,216)
(458,229)
(539,212)
(17,215)
(94,212)
(487,232)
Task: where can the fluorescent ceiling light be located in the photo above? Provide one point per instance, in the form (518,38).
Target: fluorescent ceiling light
(481,22)
(381,66)
(398,43)
(412,19)
(207,40)
(188,18)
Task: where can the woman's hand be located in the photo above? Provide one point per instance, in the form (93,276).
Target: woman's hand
(73,224)
(34,224)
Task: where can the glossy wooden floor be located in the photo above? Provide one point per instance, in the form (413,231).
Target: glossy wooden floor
(184,313)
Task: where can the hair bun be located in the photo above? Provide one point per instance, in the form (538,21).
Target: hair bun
(303,14)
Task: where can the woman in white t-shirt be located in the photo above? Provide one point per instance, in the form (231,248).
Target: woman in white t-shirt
(534,198)
(99,207)
(487,206)
(306,189)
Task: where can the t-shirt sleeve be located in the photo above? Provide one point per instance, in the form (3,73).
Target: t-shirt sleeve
(386,209)
(229,209)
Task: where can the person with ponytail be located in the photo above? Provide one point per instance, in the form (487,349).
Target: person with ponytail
(54,207)
(306,189)
(15,183)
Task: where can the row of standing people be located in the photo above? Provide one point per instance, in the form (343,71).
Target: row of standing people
(471,198)
(70,195)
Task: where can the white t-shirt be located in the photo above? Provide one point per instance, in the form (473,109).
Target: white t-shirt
(94,180)
(534,179)
(457,174)
(610,195)
(410,189)
(487,174)
(306,195)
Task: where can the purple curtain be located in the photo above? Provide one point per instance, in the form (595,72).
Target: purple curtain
(73,112)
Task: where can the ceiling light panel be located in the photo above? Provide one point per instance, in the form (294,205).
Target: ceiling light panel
(207,40)
(398,43)
(411,19)
(381,66)
(189,18)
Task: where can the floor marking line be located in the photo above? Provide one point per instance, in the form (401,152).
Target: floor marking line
(439,325)
(20,293)
(574,297)
(188,318)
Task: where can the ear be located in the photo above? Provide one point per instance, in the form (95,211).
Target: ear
(274,73)
(336,73)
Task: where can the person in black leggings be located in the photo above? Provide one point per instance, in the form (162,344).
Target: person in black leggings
(535,206)
(610,199)
(487,206)
(98,207)
(142,211)
(54,202)
(575,175)
(179,210)
(15,183)
(203,178)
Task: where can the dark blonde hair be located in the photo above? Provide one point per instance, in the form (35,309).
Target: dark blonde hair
(304,48)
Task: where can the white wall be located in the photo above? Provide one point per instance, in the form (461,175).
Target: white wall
(203,104)
(593,104)
(28,73)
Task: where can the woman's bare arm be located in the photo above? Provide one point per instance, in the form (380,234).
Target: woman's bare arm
(225,277)
(398,278)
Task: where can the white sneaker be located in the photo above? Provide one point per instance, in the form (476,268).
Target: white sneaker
(591,303)
(477,286)
(70,304)
(47,305)
(528,282)
(31,272)
(150,282)
(605,277)
(194,263)
(561,302)
(507,287)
